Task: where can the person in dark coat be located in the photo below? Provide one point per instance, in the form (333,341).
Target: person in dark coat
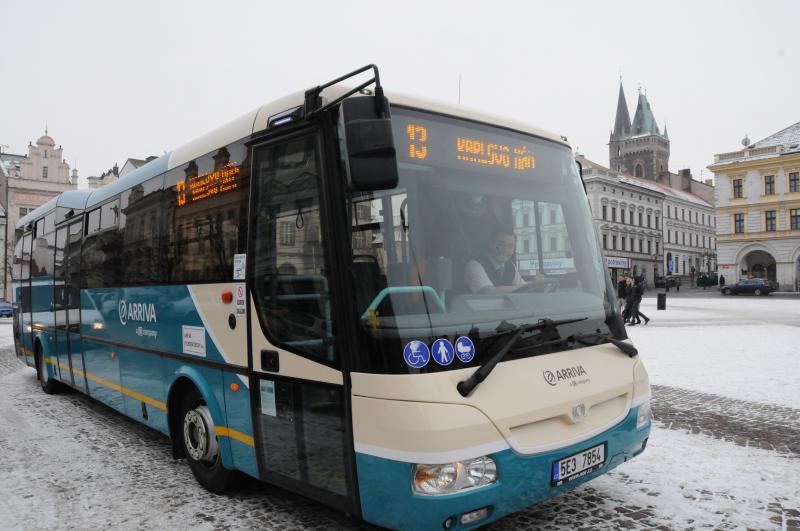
(638,292)
(721,281)
(622,293)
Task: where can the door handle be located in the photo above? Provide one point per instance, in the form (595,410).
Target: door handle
(270,361)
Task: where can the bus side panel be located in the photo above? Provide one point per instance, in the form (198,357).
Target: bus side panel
(240,424)
(102,373)
(144,394)
(210,383)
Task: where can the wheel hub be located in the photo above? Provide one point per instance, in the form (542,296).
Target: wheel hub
(199,435)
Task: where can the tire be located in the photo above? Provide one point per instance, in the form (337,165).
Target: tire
(201,446)
(49,385)
(758,292)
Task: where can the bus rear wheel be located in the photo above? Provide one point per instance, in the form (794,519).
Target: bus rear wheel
(49,385)
(200,443)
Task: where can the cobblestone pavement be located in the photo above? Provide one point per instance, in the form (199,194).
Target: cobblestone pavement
(744,423)
(84,465)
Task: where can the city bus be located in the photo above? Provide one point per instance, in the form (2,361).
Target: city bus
(289,297)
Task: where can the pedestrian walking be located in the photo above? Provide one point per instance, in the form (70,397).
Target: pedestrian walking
(721,281)
(638,292)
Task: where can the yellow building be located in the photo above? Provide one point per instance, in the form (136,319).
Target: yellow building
(757,198)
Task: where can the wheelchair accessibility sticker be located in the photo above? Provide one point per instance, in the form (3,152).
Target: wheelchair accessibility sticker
(416,354)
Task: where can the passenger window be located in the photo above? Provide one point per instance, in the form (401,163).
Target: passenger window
(289,262)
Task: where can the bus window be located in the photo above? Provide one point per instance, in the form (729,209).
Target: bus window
(205,203)
(290,266)
(141,209)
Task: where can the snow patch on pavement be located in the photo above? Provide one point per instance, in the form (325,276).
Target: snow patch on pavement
(694,481)
(758,363)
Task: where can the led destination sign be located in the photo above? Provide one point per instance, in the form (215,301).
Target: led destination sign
(200,187)
(444,144)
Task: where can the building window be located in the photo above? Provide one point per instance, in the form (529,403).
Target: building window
(286,233)
(641,245)
(613,242)
(622,215)
(604,211)
(669,236)
(683,238)
(526,246)
(795,218)
(738,223)
(649,246)
(605,241)
(769,219)
(44,172)
(553,244)
(737,188)
(656,247)
(23,212)
(683,214)
(794,181)
(656,222)
(640,219)
(649,219)
(613,213)
(526,219)
(769,184)
(631,218)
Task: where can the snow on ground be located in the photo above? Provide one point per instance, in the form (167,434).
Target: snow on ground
(694,481)
(731,347)
(6,332)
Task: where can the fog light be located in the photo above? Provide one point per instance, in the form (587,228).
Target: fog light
(644,415)
(474,516)
(435,480)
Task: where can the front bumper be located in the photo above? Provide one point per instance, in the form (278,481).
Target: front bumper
(387,498)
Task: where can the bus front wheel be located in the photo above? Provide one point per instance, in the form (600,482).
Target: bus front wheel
(49,385)
(201,446)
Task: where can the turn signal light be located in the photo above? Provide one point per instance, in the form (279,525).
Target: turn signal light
(234,387)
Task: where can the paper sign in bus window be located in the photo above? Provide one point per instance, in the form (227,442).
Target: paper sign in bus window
(194,340)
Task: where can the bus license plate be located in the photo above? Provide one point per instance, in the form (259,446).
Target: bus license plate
(578,465)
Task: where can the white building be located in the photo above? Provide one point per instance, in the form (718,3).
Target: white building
(627,215)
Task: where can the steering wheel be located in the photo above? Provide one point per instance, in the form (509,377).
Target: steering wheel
(539,285)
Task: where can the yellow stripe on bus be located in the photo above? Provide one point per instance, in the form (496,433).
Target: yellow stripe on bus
(222,431)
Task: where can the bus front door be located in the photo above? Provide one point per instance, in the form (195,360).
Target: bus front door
(302,437)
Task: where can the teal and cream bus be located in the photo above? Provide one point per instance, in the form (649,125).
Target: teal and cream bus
(298,296)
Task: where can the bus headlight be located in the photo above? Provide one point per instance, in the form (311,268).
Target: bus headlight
(435,480)
(644,415)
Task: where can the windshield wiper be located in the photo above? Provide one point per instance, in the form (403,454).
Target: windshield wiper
(586,339)
(465,387)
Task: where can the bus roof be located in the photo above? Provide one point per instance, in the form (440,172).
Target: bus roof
(255,121)
(73,199)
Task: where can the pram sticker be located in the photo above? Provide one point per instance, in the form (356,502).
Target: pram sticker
(465,349)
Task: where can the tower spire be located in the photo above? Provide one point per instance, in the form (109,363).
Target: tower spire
(622,123)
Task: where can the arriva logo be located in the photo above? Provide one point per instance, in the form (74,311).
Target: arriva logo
(137,311)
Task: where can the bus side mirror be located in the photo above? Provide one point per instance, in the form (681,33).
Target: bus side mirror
(369,143)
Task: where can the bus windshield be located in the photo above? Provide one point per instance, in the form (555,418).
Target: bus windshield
(486,226)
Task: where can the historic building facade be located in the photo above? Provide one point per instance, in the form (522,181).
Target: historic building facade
(30,181)
(627,215)
(758,209)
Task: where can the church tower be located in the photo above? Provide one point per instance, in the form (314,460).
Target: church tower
(638,148)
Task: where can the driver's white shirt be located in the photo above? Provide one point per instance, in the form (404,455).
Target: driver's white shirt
(476,278)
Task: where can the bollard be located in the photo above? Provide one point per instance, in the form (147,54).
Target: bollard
(662,301)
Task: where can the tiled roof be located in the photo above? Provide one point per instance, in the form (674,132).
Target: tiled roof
(789,138)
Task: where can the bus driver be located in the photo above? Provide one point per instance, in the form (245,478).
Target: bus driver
(495,272)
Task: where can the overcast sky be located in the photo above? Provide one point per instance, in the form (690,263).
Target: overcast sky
(115,80)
